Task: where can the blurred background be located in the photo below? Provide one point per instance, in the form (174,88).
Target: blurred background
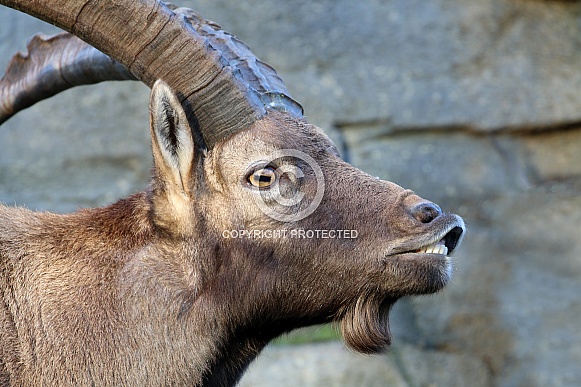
(474,104)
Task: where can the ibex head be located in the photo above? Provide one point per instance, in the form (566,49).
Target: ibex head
(258,224)
(345,256)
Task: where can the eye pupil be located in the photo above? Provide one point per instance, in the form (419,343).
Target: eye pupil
(262,178)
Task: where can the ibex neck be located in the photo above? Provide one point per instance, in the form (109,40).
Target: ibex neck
(123,225)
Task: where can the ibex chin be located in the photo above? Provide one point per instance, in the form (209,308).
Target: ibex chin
(252,225)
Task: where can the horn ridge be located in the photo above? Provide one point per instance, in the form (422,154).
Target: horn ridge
(260,75)
(50,65)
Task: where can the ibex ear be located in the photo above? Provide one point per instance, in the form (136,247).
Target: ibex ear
(172,141)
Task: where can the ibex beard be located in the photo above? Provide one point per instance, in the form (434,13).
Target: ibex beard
(149,290)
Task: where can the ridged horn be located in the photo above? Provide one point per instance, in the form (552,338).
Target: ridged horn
(53,64)
(260,75)
(214,74)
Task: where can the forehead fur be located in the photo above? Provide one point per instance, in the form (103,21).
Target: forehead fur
(279,131)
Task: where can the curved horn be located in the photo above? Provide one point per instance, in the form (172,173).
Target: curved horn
(51,65)
(155,43)
(59,62)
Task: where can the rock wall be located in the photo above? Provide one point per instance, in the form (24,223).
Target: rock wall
(474,104)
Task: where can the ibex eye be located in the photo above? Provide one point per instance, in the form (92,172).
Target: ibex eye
(262,178)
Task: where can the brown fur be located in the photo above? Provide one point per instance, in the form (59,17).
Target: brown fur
(147,291)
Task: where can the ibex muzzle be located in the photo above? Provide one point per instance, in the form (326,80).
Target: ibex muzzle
(241,236)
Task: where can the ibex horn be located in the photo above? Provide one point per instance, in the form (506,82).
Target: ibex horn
(216,76)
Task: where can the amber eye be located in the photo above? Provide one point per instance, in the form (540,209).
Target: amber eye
(262,178)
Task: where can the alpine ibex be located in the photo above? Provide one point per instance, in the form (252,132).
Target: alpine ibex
(185,283)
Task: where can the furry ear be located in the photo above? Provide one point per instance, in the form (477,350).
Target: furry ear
(172,140)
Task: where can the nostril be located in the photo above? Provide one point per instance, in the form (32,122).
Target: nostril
(426,212)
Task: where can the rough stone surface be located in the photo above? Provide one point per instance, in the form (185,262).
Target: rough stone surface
(474,104)
(330,364)
(320,365)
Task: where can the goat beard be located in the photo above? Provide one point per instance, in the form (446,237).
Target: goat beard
(365,324)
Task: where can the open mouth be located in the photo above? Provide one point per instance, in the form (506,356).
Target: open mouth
(445,245)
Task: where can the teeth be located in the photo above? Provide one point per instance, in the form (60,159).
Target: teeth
(434,249)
